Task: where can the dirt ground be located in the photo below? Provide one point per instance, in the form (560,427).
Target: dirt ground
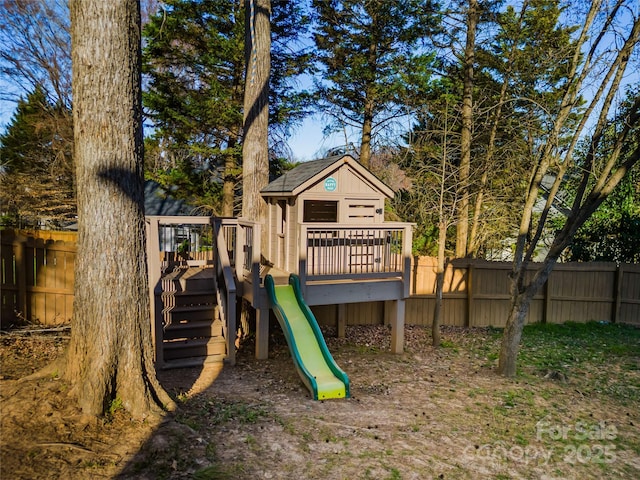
(424,414)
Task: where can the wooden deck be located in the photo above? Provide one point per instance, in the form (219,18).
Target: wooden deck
(338,264)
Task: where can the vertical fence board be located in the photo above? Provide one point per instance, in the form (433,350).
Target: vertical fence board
(576,291)
(40,275)
(37,277)
(630,295)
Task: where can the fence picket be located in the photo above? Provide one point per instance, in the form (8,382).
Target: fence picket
(38,279)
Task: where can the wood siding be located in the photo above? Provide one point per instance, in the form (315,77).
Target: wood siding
(349,182)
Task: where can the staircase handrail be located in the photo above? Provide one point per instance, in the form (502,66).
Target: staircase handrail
(225,290)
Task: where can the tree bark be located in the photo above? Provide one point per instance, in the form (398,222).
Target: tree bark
(510,345)
(462,227)
(365,143)
(255,152)
(228,185)
(110,354)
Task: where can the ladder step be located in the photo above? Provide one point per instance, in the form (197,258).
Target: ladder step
(192,362)
(174,349)
(193,329)
(192,336)
(185,299)
(188,313)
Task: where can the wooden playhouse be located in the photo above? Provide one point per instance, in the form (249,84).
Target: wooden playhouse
(325,223)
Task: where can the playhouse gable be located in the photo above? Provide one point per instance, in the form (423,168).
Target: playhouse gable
(339,175)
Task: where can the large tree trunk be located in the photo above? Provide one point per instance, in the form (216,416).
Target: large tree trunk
(228,185)
(110,354)
(512,335)
(521,295)
(255,148)
(462,217)
(255,152)
(365,143)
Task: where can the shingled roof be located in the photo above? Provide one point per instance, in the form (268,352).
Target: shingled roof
(295,177)
(291,182)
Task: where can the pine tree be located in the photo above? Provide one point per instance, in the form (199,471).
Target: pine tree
(373,57)
(194,62)
(35,154)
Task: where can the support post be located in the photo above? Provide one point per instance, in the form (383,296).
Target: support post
(21,270)
(469,317)
(262,333)
(617,294)
(155,289)
(396,317)
(342,320)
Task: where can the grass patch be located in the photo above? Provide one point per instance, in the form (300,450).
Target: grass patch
(222,411)
(604,356)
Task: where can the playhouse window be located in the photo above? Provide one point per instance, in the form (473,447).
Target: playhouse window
(320,211)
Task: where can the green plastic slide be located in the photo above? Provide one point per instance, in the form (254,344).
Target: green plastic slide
(312,359)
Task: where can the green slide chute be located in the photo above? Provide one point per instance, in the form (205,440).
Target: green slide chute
(315,365)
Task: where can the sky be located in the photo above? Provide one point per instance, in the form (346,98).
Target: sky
(309,143)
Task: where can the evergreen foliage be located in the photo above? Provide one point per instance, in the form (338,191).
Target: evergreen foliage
(195,66)
(36,165)
(374,59)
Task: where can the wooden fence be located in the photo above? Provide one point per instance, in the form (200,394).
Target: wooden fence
(37,277)
(476,294)
(37,285)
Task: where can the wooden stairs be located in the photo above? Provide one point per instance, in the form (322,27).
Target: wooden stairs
(192,333)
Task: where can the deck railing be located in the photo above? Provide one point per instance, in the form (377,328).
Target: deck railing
(333,251)
(229,227)
(162,256)
(248,251)
(226,285)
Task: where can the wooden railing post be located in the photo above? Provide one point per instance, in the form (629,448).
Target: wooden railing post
(407,244)
(155,288)
(225,290)
(617,294)
(255,258)
(240,253)
(302,259)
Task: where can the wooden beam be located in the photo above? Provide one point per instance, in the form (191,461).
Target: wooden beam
(332,293)
(262,334)
(397,313)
